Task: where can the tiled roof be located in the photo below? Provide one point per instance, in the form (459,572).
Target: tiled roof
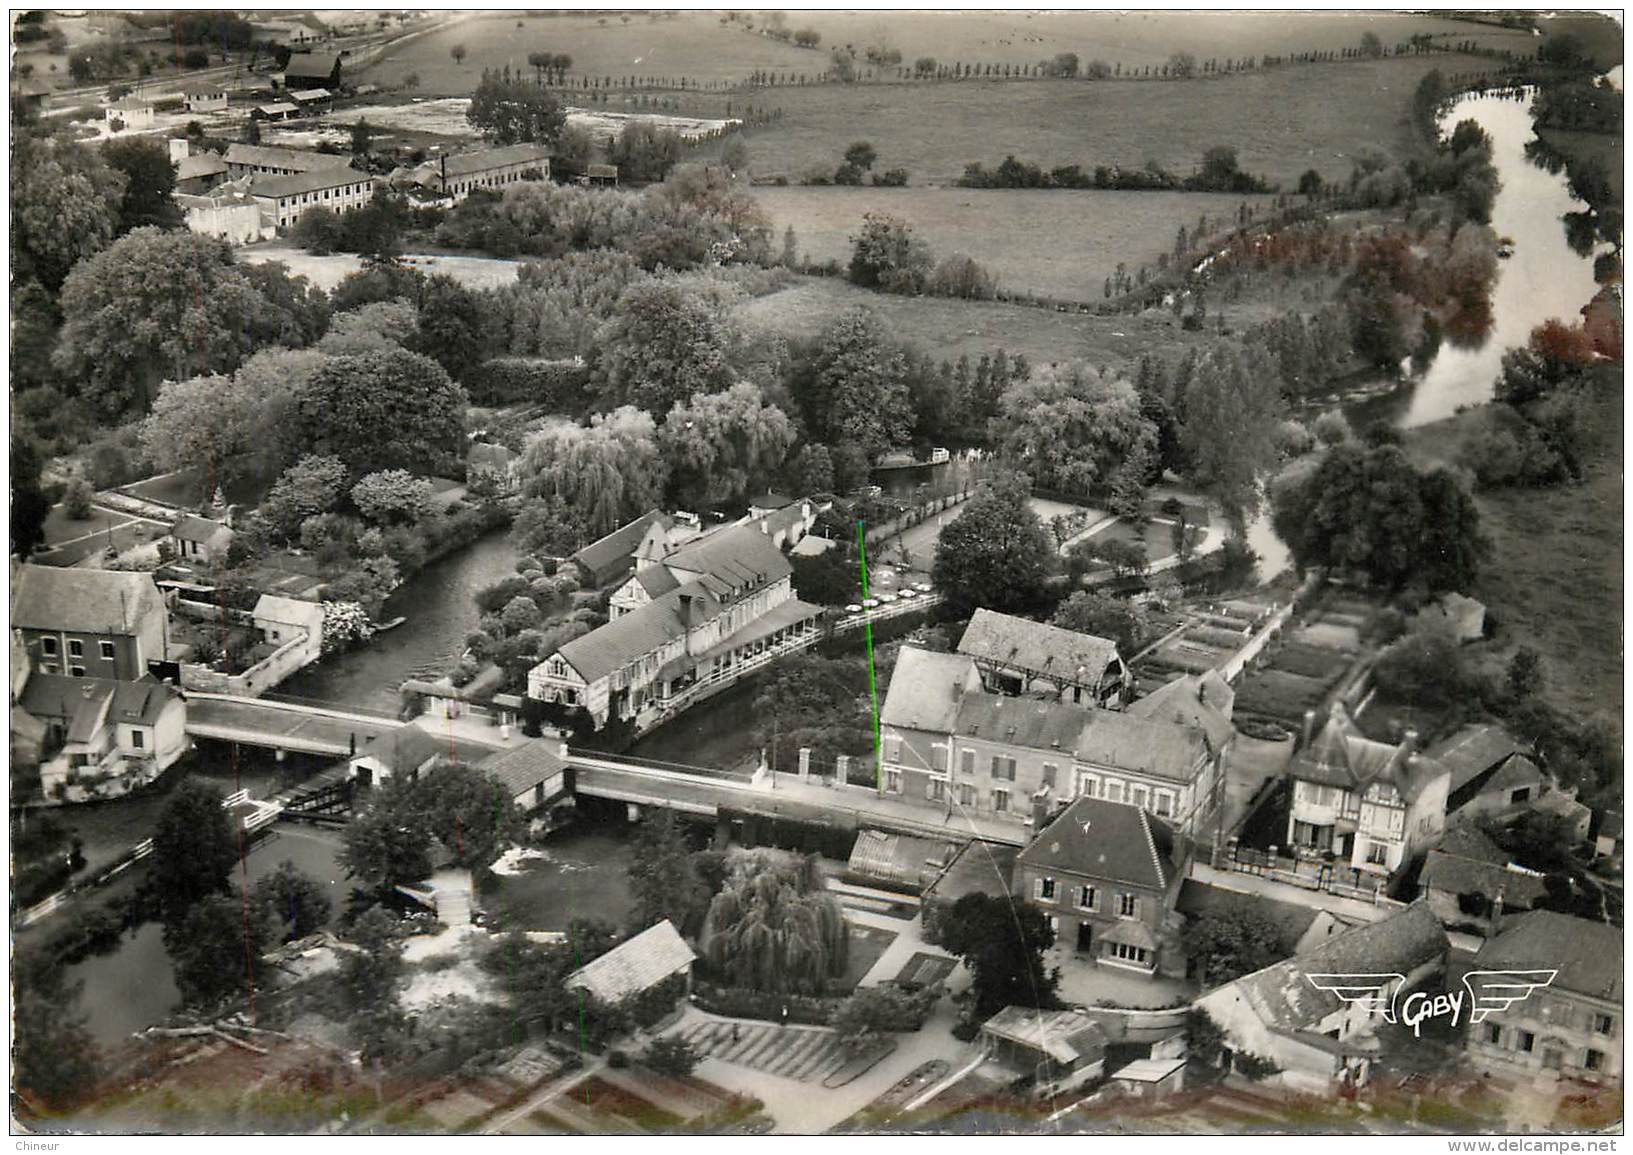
(1473,750)
(1204,701)
(1028,722)
(1516,772)
(1469,841)
(305,65)
(619,545)
(199,529)
(90,712)
(740,556)
(409,747)
(1587,955)
(656,580)
(202,165)
(298,159)
(521,769)
(1282,996)
(1035,646)
(278,187)
(1065,1036)
(1455,875)
(635,966)
(135,703)
(1110,840)
(88,600)
(1340,755)
(644,630)
(926,689)
(482,160)
(1562,804)
(1160,749)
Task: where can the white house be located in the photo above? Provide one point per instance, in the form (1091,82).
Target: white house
(200,540)
(133,113)
(205,99)
(102,738)
(285,620)
(284,199)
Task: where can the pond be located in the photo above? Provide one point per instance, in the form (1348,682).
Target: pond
(437,603)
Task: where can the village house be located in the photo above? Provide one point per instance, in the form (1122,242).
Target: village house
(407,752)
(1469,881)
(99,737)
(199,540)
(656,956)
(949,743)
(786,525)
(284,199)
(534,774)
(1204,701)
(611,559)
(89,623)
(1491,771)
(1607,839)
(1056,1050)
(727,608)
(131,114)
(1316,1038)
(226,211)
(1017,656)
(195,172)
(456,176)
(312,70)
(1364,804)
(1107,875)
(1571,1025)
(285,620)
(205,98)
(265,160)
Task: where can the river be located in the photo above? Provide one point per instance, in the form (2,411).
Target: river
(437,603)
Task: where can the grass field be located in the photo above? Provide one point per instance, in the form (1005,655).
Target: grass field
(1281,123)
(1061,242)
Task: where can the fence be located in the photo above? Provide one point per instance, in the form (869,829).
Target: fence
(1323,875)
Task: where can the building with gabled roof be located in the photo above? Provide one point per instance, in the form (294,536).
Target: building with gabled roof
(312,70)
(89,622)
(100,738)
(634,967)
(1572,1023)
(1317,1038)
(534,774)
(285,199)
(1364,803)
(731,608)
(205,98)
(200,540)
(611,558)
(459,174)
(1108,876)
(1055,1050)
(1205,701)
(267,160)
(1019,656)
(409,751)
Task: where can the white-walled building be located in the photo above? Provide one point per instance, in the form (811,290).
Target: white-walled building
(285,198)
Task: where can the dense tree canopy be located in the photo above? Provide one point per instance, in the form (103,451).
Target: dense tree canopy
(775,927)
(510,109)
(1104,616)
(150,179)
(194,851)
(29,505)
(1229,413)
(722,447)
(852,385)
(995,554)
(1225,945)
(665,341)
(1073,430)
(55,1059)
(387,410)
(65,202)
(216,950)
(1002,942)
(663,878)
(605,474)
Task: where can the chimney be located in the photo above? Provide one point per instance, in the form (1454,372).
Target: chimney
(1040,811)
(1309,728)
(686,610)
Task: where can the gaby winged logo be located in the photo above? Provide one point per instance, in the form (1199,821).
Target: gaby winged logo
(1487,992)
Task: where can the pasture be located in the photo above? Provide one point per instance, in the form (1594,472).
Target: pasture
(1059,242)
(1280,122)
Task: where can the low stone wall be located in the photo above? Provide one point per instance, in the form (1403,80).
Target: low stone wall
(1128,1025)
(255,681)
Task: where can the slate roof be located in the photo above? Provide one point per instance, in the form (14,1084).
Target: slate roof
(644,630)
(1204,701)
(278,187)
(1468,841)
(82,600)
(203,165)
(1110,840)
(769,501)
(1456,875)
(1065,1036)
(299,159)
(1283,998)
(740,556)
(1473,750)
(926,690)
(482,160)
(409,747)
(520,769)
(1340,755)
(310,66)
(1516,772)
(1161,749)
(1038,725)
(135,703)
(619,545)
(1588,955)
(656,580)
(198,529)
(1035,646)
(635,966)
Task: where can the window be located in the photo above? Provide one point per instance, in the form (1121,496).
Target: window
(1128,906)
(1164,804)
(1046,889)
(1494,1034)
(49,667)
(76,648)
(1114,791)
(1088,898)
(1000,800)
(1088,786)
(1520,795)
(1137,795)
(893,781)
(938,757)
(48,647)
(935,790)
(966,794)
(1377,854)
(1526,1042)
(1595,1060)
(107,648)
(966,761)
(571,697)
(1125,953)
(893,749)
(1048,774)
(77,671)
(1603,1024)
(1003,767)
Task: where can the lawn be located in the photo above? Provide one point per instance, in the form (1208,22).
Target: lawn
(59,527)
(867,946)
(1062,243)
(1280,122)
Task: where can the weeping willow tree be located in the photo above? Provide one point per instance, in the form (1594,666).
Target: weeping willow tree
(775,928)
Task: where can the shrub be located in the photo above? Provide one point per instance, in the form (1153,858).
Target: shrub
(76,500)
(742,1003)
(965,1030)
(672,1056)
(560,386)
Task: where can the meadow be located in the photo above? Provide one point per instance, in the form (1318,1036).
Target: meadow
(1280,122)
(1058,242)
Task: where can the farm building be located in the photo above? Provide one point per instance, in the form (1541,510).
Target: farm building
(1056,1050)
(653,957)
(285,198)
(135,114)
(208,98)
(279,110)
(1017,656)
(458,175)
(308,70)
(263,160)
(610,559)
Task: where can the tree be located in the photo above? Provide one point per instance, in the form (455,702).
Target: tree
(1225,945)
(202,422)
(267,384)
(155,305)
(828,579)
(150,179)
(294,312)
(55,1057)
(547,527)
(392,496)
(664,342)
(459,52)
(1204,1038)
(380,849)
(775,927)
(370,978)
(509,110)
(1065,64)
(672,1056)
(76,500)
(310,486)
(377,327)
(451,326)
(1525,673)
(661,876)
(995,553)
(362,137)
(1229,412)
(1123,621)
(65,202)
(861,155)
(604,475)
(292,905)
(734,155)
(644,152)
(1073,430)
(811,470)
(368,583)
(214,948)
(1182,65)
(723,446)
(1371,45)
(852,386)
(388,410)
(194,851)
(1002,943)
(29,505)
(886,256)
(1425,667)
